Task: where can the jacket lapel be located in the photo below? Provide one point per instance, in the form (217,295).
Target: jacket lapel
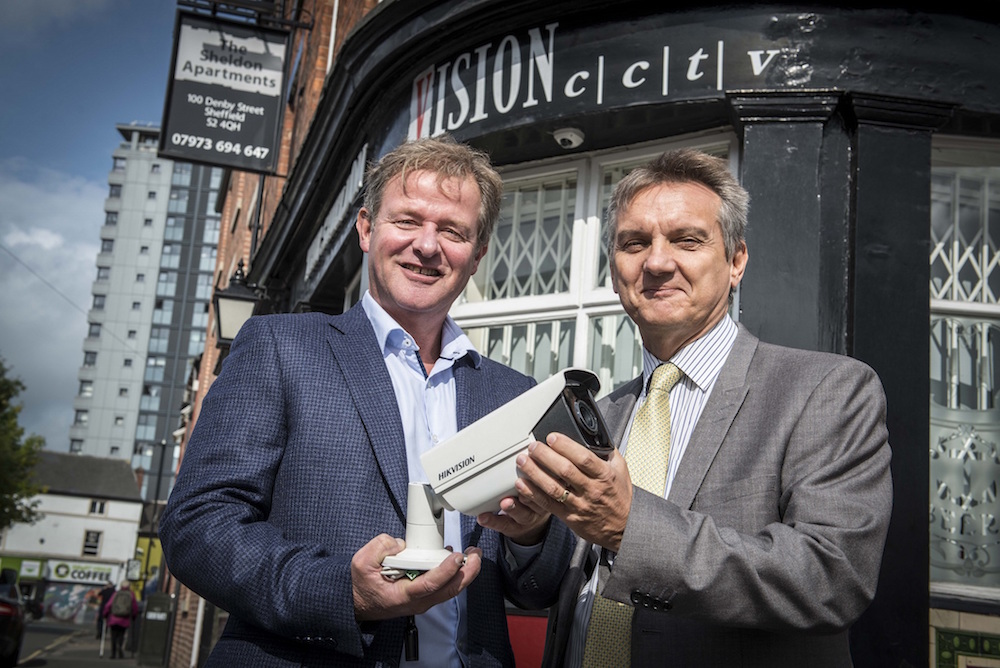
(720,410)
(355,350)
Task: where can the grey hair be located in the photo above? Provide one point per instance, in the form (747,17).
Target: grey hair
(685,166)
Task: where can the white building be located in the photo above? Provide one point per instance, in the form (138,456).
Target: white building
(87,532)
(149,314)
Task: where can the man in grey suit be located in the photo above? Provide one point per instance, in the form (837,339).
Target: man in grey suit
(293,486)
(759,540)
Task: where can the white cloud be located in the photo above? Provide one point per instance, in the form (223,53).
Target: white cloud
(49,228)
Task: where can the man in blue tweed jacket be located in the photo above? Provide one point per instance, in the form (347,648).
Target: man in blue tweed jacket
(293,486)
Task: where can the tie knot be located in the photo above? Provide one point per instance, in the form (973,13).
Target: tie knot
(665,377)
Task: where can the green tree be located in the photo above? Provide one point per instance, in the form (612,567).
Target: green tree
(17,457)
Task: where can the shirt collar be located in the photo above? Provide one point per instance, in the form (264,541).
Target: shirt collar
(391,337)
(701,360)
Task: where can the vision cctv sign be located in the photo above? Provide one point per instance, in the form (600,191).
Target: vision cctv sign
(225,94)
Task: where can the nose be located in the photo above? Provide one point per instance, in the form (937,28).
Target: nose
(660,259)
(426,241)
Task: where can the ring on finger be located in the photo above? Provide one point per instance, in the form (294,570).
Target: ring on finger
(565,495)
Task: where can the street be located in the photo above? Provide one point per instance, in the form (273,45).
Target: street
(60,645)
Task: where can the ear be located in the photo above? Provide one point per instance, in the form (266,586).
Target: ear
(738,265)
(480,254)
(363,225)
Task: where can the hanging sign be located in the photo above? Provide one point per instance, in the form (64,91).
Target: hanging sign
(225,94)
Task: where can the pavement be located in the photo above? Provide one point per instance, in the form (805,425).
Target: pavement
(68,646)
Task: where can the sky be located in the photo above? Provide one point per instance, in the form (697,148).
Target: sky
(69,71)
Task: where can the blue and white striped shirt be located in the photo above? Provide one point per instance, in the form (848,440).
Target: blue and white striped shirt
(701,362)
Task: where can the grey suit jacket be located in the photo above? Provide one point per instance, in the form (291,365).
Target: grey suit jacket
(769,545)
(297,460)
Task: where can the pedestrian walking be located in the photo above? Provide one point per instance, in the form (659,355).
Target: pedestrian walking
(120,610)
(103,597)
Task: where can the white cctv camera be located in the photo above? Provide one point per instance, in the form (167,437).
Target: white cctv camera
(477,467)
(568,137)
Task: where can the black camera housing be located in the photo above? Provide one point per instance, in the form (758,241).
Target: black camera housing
(575,414)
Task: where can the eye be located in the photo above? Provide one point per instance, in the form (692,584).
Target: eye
(405,223)
(454,234)
(631,245)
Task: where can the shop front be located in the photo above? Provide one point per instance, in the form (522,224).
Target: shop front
(868,139)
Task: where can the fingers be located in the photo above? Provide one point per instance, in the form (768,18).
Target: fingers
(519,519)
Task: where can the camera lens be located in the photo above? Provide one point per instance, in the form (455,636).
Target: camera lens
(586,417)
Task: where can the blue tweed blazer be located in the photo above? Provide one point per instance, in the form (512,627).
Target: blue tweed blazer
(297,460)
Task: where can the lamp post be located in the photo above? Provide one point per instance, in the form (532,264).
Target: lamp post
(233,306)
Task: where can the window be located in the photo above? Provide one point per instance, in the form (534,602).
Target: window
(166,284)
(111,218)
(107,245)
(86,388)
(207,262)
(94,330)
(178,201)
(103,273)
(119,420)
(76,445)
(140,278)
(114,191)
(146,427)
(163,313)
(143,250)
(97,507)
(122,391)
(147,222)
(170,256)
(211,233)
(154,168)
(159,338)
(80,418)
(965,369)
(150,400)
(91,543)
(118,164)
(182,174)
(203,290)
(196,344)
(136,306)
(155,367)
(99,301)
(151,194)
(89,358)
(115,450)
(199,315)
(127,361)
(175,229)
(542,298)
(131,334)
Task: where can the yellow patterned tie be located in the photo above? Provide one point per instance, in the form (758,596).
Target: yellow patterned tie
(609,634)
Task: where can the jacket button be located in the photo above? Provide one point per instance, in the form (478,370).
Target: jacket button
(636,598)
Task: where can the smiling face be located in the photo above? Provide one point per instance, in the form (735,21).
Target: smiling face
(669,264)
(422,250)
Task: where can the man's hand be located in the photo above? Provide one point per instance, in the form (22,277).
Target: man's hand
(519,521)
(377,597)
(599,495)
